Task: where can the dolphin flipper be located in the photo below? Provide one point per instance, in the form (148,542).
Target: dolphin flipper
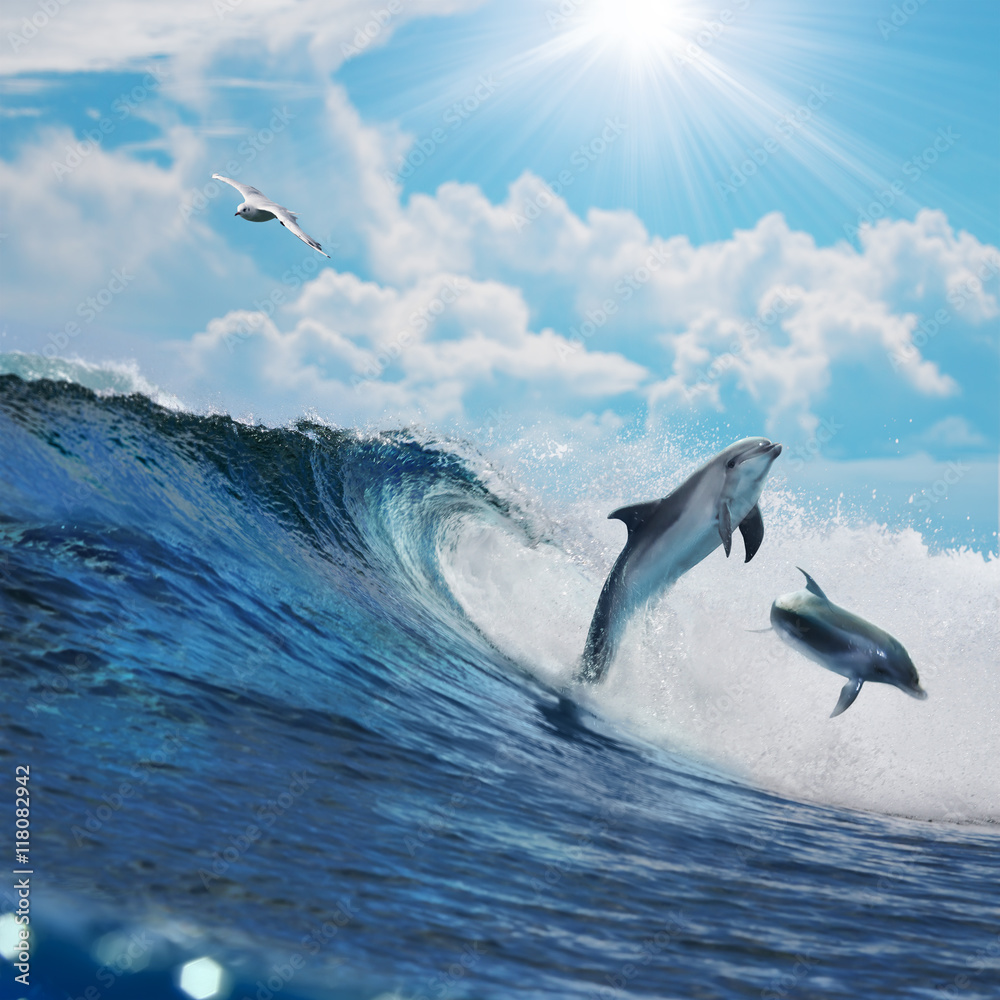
(725,527)
(752,530)
(848,693)
(813,587)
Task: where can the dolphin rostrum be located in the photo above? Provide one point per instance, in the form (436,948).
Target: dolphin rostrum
(842,642)
(667,537)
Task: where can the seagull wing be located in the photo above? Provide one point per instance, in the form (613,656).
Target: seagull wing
(287,219)
(244,189)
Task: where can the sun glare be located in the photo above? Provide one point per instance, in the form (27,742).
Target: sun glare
(642,27)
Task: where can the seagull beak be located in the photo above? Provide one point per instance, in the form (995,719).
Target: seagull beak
(236,213)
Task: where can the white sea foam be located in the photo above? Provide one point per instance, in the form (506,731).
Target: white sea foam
(691,675)
(105,378)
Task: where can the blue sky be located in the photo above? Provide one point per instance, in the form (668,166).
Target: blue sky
(586,216)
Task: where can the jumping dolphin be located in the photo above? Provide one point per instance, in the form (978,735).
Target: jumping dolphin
(667,537)
(842,642)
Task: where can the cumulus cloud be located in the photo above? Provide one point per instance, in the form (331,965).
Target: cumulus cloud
(765,323)
(767,316)
(77,213)
(435,351)
(546,311)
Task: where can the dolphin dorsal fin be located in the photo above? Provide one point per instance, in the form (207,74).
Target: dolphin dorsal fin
(811,585)
(636,515)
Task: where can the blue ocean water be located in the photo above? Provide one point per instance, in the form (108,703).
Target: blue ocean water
(297,701)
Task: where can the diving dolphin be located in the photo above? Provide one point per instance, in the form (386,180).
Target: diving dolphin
(842,642)
(667,537)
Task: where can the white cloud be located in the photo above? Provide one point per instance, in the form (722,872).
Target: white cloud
(434,351)
(953,432)
(67,36)
(686,312)
(560,311)
(822,314)
(78,213)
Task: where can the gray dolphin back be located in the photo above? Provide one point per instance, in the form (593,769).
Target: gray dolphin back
(643,520)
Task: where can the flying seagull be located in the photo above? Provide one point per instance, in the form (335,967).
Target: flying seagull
(257,207)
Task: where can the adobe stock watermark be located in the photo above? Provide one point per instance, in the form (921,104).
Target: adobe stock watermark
(88,310)
(596,317)
(561,15)
(913,169)
(224,7)
(937,491)
(777,305)
(47,11)
(649,948)
(69,676)
(281,972)
(248,150)
(977,963)
(734,697)
(430,828)
(581,158)
(444,982)
(420,321)
(141,771)
(265,815)
(598,827)
(825,432)
(899,17)
(371,29)
(131,955)
(781,987)
(260,659)
(787,128)
(454,118)
(927,329)
(122,106)
(265,308)
(928,496)
(709,33)
(497,419)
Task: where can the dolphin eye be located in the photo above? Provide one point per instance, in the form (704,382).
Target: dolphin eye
(731,464)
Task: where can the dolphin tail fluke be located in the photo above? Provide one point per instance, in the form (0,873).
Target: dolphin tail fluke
(596,659)
(606,627)
(590,672)
(752,530)
(848,693)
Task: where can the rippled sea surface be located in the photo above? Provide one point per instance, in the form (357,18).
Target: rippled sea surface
(297,702)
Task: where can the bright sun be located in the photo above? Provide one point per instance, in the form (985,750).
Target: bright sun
(642,27)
